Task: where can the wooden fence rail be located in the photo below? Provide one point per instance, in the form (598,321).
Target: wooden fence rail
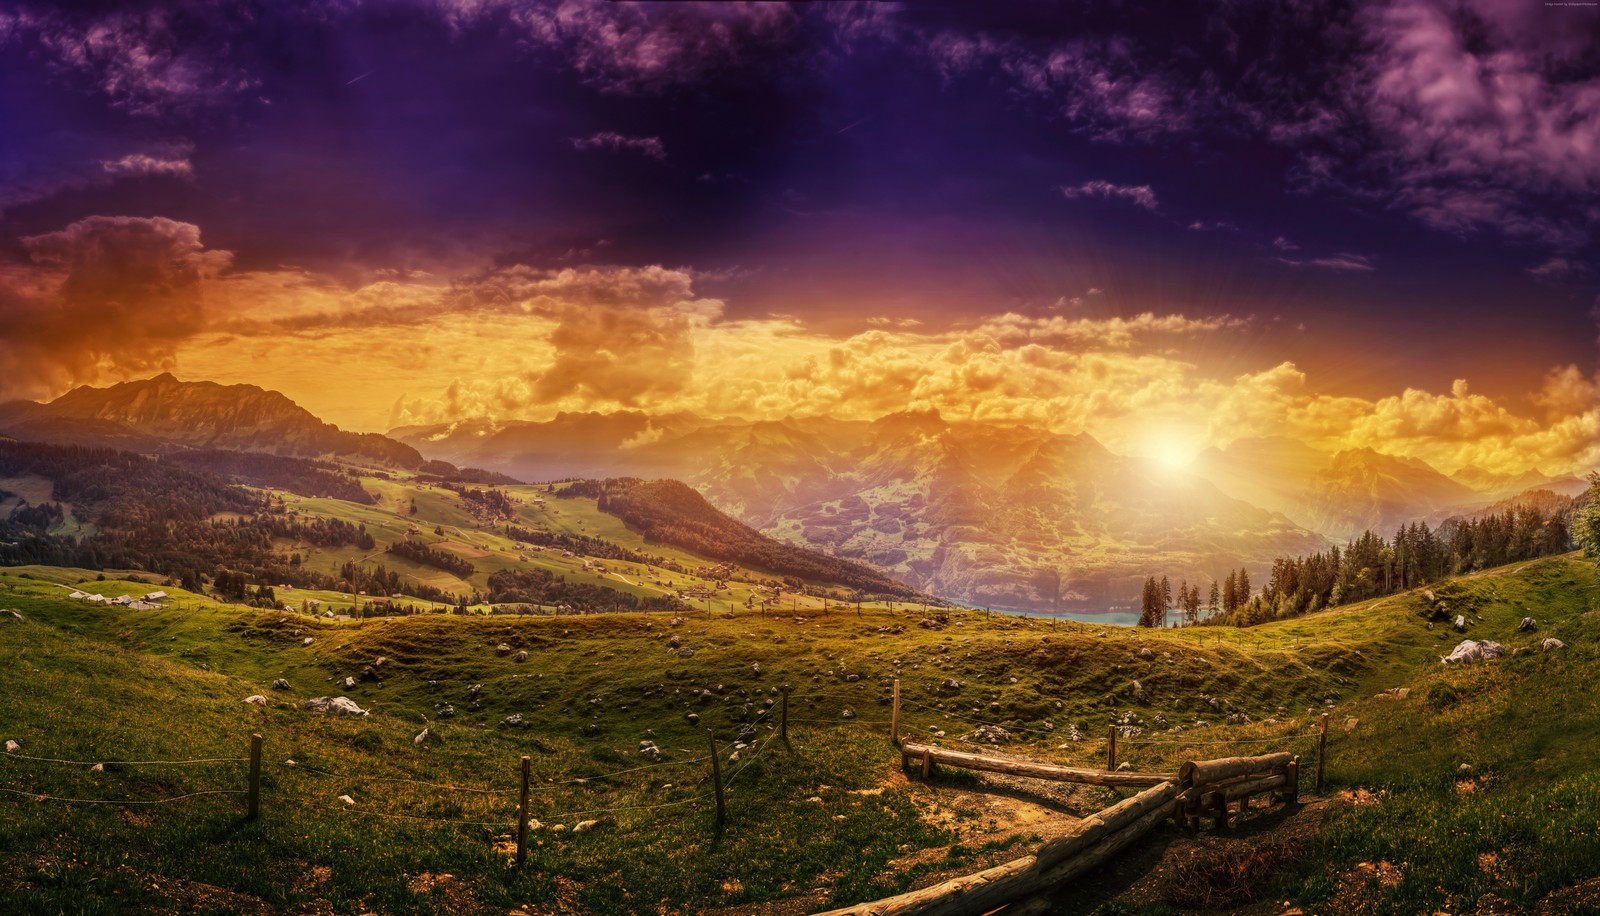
(1017,885)
(1017,766)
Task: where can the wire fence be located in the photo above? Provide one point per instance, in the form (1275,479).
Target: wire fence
(307,785)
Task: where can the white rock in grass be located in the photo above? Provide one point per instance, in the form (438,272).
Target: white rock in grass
(584,826)
(1551,644)
(349,682)
(522,656)
(257,700)
(12,747)
(1528,625)
(1470,650)
(339,706)
(280,684)
(308,641)
(1461,623)
(421,737)
(347,799)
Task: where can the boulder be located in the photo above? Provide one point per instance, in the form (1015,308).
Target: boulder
(1461,624)
(1471,650)
(421,737)
(257,700)
(349,682)
(686,652)
(512,721)
(338,706)
(675,641)
(280,684)
(1146,654)
(1551,644)
(1528,625)
(522,655)
(12,747)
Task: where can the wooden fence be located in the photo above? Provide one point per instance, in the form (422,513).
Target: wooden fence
(1019,886)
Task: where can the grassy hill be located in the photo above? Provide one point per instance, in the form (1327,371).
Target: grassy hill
(89,683)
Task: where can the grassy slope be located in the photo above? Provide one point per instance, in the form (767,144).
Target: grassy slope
(490,551)
(93,682)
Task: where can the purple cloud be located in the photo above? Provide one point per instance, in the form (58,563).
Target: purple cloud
(1341,262)
(647,47)
(1140,195)
(611,140)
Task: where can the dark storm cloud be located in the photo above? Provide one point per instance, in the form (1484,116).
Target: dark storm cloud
(105,295)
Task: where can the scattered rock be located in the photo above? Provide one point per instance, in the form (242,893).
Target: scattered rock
(677,621)
(951,683)
(347,799)
(988,734)
(693,717)
(512,721)
(349,682)
(522,655)
(1528,625)
(848,713)
(444,710)
(1395,693)
(1350,723)
(339,706)
(686,652)
(675,641)
(256,700)
(1146,654)
(1461,624)
(12,747)
(852,678)
(584,826)
(421,737)
(380,661)
(503,649)
(98,768)
(1470,650)
(755,669)
(1551,644)
(308,641)
(280,684)
(1464,770)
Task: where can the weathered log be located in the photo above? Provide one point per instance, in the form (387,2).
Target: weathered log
(1016,766)
(1206,772)
(1237,791)
(1096,827)
(987,890)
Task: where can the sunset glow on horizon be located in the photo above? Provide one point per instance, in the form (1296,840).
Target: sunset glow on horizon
(1095,224)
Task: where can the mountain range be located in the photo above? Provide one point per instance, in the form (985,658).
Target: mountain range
(986,513)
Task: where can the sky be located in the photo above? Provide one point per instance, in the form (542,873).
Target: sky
(1171,225)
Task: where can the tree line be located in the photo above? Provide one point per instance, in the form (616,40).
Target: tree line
(1371,566)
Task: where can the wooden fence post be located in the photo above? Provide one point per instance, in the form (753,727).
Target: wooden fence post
(1322,750)
(894,716)
(716,776)
(253,797)
(1291,789)
(1111,748)
(522,815)
(783,715)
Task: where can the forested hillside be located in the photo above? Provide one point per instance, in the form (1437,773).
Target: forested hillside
(673,513)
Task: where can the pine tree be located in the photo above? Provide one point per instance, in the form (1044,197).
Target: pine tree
(1165,599)
(1242,593)
(1215,601)
(1230,593)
